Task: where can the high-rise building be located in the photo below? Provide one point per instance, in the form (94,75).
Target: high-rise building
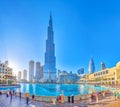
(25,74)
(91,68)
(103,66)
(37,71)
(19,76)
(31,71)
(50,59)
(41,72)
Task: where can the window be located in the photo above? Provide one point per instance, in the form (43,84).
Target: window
(112,78)
(106,71)
(103,72)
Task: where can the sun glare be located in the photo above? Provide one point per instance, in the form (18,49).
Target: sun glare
(13,65)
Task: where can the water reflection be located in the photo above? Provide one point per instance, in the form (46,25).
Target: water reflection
(57,89)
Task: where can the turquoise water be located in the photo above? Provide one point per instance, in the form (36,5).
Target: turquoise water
(57,89)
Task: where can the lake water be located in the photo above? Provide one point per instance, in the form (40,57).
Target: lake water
(57,89)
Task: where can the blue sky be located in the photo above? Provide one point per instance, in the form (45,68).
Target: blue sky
(82,29)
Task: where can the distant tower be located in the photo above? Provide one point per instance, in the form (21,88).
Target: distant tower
(41,72)
(25,74)
(19,76)
(31,71)
(37,71)
(50,59)
(103,66)
(91,68)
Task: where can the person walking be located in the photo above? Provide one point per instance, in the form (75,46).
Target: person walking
(20,95)
(27,98)
(118,95)
(10,96)
(33,98)
(68,99)
(72,98)
(115,94)
(13,92)
(57,99)
(7,93)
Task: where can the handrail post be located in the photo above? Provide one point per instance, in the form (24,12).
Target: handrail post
(51,99)
(42,98)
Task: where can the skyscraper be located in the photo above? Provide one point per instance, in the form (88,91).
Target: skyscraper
(37,71)
(31,71)
(25,74)
(91,68)
(50,59)
(41,72)
(103,65)
(19,76)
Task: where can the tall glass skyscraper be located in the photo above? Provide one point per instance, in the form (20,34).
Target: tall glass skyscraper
(50,59)
(25,74)
(38,65)
(103,66)
(91,68)
(31,71)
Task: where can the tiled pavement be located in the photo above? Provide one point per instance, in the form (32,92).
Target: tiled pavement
(16,102)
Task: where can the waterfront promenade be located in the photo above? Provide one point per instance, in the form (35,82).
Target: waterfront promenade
(16,102)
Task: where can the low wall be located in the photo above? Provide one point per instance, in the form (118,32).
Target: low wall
(53,98)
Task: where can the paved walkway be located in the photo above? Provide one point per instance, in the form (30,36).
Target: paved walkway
(16,102)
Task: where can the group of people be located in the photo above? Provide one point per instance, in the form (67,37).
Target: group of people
(117,95)
(27,96)
(58,99)
(70,99)
(10,93)
(13,93)
(94,96)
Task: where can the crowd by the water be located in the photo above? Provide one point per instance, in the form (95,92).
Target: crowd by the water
(13,93)
(94,96)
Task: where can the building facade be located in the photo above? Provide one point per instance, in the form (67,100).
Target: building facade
(38,68)
(50,59)
(19,76)
(25,75)
(103,66)
(6,74)
(108,76)
(65,77)
(31,71)
(41,72)
(91,67)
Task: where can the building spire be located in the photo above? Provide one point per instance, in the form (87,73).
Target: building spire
(50,21)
